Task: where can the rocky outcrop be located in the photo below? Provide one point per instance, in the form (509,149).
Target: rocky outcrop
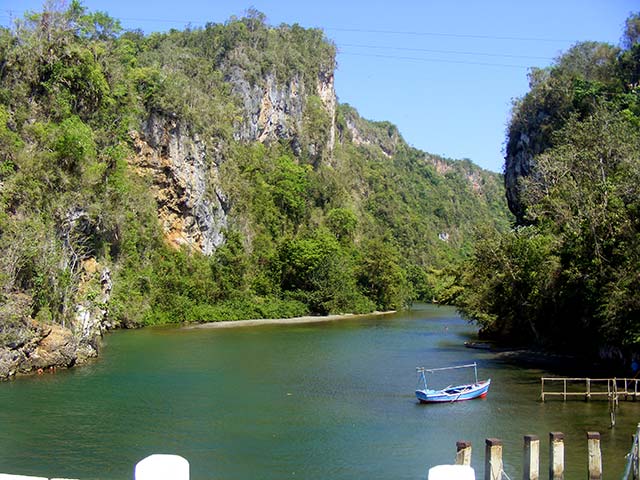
(192,207)
(327,94)
(361,132)
(274,111)
(518,164)
(29,346)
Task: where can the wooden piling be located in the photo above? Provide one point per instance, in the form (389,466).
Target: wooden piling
(595,456)
(556,456)
(531,458)
(463,453)
(493,459)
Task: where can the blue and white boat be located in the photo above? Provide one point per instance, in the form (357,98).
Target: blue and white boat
(467,391)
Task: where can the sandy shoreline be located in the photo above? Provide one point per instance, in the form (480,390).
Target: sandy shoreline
(285,321)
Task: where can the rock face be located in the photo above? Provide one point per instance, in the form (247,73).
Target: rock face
(382,135)
(192,208)
(47,346)
(518,164)
(275,111)
(27,345)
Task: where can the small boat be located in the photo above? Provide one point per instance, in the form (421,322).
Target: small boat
(478,345)
(468,391)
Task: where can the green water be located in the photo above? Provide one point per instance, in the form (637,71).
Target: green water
(313,401)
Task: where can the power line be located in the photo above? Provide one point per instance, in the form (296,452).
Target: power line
(14,13)
(454,35)
(434,60)
(455,52)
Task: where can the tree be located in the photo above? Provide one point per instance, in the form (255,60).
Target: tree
(381,277)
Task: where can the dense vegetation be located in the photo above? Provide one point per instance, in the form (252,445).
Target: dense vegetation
(311,229)
(568,274)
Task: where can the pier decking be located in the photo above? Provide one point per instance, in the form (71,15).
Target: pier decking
(612,389)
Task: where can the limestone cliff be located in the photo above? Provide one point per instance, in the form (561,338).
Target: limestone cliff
(192,208)
(522,146)
(275,110)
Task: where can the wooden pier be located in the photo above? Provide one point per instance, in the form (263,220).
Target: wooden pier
(612,389)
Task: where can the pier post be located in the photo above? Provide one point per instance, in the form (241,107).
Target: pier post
(162,467)
(531,458)
(595,456)
(463,453)
(493,459)
(556,456)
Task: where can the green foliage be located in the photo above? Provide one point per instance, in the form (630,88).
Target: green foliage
(342,222)
(316,125)
(290,188)
(571,278)
(74,144)
(316,270)
(381,277)
(311,228)
(509,284)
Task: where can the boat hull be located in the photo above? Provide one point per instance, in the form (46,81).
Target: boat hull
(455,394)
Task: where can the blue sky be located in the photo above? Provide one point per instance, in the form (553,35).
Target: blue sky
(445,72)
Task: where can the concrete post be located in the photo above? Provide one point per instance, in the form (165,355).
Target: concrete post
(531,458)
(595,456)
(463,453)
(162,467)
(556,456)
(493,459)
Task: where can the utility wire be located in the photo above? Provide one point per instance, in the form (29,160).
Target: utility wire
(434,60)
(454,35)
(15,13)
(455,52)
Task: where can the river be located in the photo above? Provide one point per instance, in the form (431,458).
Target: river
(330,400)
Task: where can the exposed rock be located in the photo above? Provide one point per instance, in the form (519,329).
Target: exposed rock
(191,205)
(518,164)
(48,346)
(271,111)
(274,111)
(56,347)
(327,94)
(27,345)
(382,135)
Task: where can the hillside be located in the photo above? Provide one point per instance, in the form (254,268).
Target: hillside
(203,175)
(568,276)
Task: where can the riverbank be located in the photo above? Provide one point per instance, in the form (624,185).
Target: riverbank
(285,321)
(563,364)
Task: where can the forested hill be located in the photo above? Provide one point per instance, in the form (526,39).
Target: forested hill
(205,174)
(569,276)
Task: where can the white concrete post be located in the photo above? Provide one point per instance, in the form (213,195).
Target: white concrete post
(162,467)
(556,456)
(531,460)
(493,459)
